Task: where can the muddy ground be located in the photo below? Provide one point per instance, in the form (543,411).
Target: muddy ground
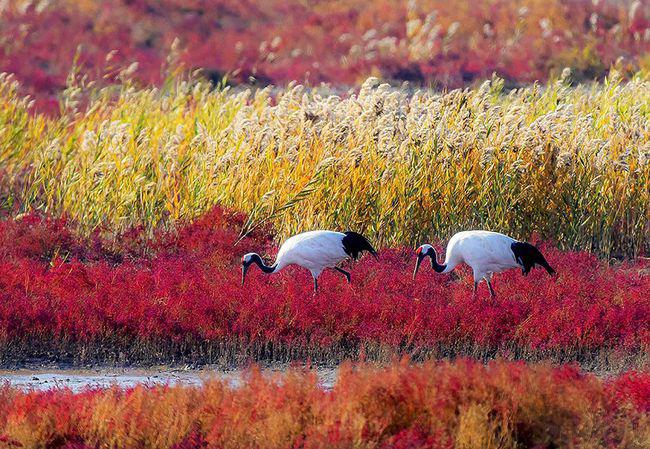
(77,380)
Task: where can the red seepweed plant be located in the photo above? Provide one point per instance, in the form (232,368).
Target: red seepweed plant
(180,298)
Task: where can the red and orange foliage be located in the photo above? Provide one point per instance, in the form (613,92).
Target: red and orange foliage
(426,41)
(182,291)
(436,405)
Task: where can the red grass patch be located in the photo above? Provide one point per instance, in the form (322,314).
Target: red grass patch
(188,291)
(433,42)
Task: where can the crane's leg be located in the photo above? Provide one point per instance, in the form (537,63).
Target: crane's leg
(492,294)
(488,279)
(344,273)
(477,279)
(315,285)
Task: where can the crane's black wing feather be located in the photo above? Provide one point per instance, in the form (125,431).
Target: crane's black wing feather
(354,244)
(528,255)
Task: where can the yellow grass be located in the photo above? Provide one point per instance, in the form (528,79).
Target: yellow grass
(569,163)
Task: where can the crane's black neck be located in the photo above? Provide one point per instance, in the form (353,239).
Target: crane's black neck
(257,260)
(436,266)
(434,261)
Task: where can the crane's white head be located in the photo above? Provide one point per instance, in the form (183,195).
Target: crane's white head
(422,252)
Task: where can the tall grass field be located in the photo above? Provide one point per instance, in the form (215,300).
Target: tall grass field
(569,164)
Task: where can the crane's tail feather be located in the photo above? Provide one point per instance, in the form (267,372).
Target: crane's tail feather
(354,243)
(528,255)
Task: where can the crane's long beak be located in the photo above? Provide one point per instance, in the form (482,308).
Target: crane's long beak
(374,253)
(244,269)
(417,264)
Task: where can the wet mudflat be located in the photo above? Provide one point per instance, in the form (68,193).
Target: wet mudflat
(78,380)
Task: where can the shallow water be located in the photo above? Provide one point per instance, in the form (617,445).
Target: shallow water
(77,380)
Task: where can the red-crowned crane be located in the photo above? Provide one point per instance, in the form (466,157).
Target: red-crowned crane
(314,250)
(486,253)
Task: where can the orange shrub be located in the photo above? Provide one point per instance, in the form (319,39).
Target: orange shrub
(436,405)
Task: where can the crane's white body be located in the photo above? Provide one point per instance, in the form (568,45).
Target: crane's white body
(313,250)
(486,252)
